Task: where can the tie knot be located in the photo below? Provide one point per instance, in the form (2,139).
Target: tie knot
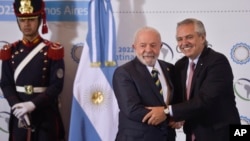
(154,71)
(192,65)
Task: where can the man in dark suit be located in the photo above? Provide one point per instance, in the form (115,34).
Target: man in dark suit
(141,103)
(210,107)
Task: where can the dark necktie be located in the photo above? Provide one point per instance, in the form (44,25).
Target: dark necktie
(157,80)
(190,77)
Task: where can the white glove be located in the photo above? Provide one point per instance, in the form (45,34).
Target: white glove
(24,121)
(20,109)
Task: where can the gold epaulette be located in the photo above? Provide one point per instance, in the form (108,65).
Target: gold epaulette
(5,52)
(55,51)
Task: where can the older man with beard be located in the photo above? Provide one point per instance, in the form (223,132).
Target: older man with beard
(142,96)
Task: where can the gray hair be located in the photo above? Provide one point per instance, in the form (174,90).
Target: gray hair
(198,25)
(146,28)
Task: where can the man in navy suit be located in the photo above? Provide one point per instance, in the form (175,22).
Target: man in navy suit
(210,107)
(142,116)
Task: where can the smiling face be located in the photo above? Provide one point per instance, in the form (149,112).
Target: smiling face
(147,46)
(189,41)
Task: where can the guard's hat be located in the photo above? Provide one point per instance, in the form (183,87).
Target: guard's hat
(31,8)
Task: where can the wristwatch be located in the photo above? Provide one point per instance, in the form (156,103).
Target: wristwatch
(166,111)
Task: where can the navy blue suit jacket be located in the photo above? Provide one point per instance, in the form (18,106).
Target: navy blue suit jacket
(134,89)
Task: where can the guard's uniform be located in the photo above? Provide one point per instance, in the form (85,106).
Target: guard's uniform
(40,81)
(33,72)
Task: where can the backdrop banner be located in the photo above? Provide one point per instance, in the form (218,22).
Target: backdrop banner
(227,25)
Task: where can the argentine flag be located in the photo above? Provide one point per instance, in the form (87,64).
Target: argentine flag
(94,113)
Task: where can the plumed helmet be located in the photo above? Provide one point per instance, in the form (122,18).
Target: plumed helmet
(31,8)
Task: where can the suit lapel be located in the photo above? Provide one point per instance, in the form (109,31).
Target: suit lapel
(165,69)
(198,68)
(184,77)
(148,79)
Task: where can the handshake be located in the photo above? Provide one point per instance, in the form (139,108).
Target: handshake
(156,115)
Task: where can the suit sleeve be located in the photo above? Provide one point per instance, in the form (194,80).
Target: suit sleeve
(126,92)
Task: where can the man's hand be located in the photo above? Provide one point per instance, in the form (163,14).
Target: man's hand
(176,125)
(20,109)
(155,116)
(24,121)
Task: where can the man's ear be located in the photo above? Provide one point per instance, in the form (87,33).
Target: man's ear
(133,46)
(203,37)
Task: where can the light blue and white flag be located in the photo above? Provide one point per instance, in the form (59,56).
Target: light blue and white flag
(94,113)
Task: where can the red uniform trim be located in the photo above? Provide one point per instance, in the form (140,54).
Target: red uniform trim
(55,51)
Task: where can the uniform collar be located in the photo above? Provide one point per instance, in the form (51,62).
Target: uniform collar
(33,42)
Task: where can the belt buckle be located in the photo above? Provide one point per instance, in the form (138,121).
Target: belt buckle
(28,89)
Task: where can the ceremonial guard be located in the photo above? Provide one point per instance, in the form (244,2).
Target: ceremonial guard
(33,77)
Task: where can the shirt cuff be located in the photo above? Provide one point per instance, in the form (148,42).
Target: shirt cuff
(170,110)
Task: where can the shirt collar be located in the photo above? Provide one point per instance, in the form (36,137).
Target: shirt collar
(156,66)
(195,60)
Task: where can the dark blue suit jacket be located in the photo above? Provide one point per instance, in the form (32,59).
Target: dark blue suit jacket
(211,107)
(134,89)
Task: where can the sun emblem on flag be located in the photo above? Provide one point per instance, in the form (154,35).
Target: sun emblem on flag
(97,97)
